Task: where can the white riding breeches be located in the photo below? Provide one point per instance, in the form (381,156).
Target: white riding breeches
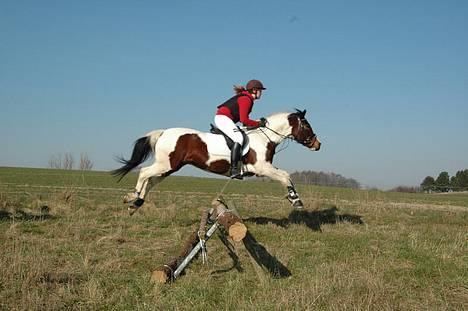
(228,127)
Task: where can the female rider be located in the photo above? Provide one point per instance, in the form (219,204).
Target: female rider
(236,109)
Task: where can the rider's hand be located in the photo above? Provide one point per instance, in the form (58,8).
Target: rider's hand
(263,122)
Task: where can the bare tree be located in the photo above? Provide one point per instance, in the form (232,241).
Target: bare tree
(68,161)
(55,161)
(85,162)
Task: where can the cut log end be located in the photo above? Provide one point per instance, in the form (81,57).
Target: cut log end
(237,231)
(159,276)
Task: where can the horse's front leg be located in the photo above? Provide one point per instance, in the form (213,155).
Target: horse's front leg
(293,196)
(284,178)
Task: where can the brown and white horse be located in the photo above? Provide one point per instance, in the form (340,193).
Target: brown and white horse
(176,147)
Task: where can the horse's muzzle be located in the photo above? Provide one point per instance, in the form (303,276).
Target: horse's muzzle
(315,144)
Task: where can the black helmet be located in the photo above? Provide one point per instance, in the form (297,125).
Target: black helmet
(254,84)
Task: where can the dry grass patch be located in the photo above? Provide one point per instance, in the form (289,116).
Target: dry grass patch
(347,250)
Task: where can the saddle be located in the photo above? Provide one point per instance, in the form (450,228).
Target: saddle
(229,141)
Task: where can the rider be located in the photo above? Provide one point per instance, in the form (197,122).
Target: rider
(236,109)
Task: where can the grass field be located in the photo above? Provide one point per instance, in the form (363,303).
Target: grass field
(348,250)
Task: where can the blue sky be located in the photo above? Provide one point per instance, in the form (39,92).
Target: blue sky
(385,84)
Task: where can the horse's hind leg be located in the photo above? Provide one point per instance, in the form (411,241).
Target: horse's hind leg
(148,178)
(149,183)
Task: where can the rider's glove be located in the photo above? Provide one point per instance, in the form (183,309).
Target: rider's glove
(263,122)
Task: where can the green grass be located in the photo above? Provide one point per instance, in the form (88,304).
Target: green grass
(350,249)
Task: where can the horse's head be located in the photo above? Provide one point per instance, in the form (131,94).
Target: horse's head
(302,132)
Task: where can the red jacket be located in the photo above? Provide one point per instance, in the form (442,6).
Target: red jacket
(238,109)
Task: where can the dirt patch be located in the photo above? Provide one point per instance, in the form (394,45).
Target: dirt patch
(24,214)
(60,278)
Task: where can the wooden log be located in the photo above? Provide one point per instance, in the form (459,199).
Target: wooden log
(165,273)
(232,223)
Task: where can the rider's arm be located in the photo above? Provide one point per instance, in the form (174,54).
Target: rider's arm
(244,107)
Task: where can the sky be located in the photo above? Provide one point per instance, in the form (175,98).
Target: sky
(385,83)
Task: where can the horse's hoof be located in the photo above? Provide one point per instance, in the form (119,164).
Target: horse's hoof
(135,206)
(132,209)
(298,204)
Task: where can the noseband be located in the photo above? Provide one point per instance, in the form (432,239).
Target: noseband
(309,142)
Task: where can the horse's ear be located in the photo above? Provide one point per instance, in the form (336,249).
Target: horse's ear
(300,113)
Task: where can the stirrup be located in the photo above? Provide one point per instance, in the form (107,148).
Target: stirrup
(237,176)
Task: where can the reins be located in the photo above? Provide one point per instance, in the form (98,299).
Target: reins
(279,134)
(286,138)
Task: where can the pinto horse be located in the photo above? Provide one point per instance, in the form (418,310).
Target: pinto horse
(175,147)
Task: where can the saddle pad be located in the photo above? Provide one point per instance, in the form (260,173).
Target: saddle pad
(217,145)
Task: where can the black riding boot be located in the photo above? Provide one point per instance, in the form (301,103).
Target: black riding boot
(235,157)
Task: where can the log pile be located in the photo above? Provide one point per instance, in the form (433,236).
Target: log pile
(219,215)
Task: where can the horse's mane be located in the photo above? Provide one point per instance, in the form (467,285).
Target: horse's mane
(282,116)
(299,113)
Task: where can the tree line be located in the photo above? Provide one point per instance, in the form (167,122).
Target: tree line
(67,162)
(323,179)
(445,183)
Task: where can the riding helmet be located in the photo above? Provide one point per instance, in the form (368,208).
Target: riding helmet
(255,84)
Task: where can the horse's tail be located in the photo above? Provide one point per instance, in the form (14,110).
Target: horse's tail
(143,148)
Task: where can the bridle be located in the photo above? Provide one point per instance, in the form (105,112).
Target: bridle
(308,142)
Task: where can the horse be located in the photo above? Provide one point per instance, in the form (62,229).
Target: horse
(175,147)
